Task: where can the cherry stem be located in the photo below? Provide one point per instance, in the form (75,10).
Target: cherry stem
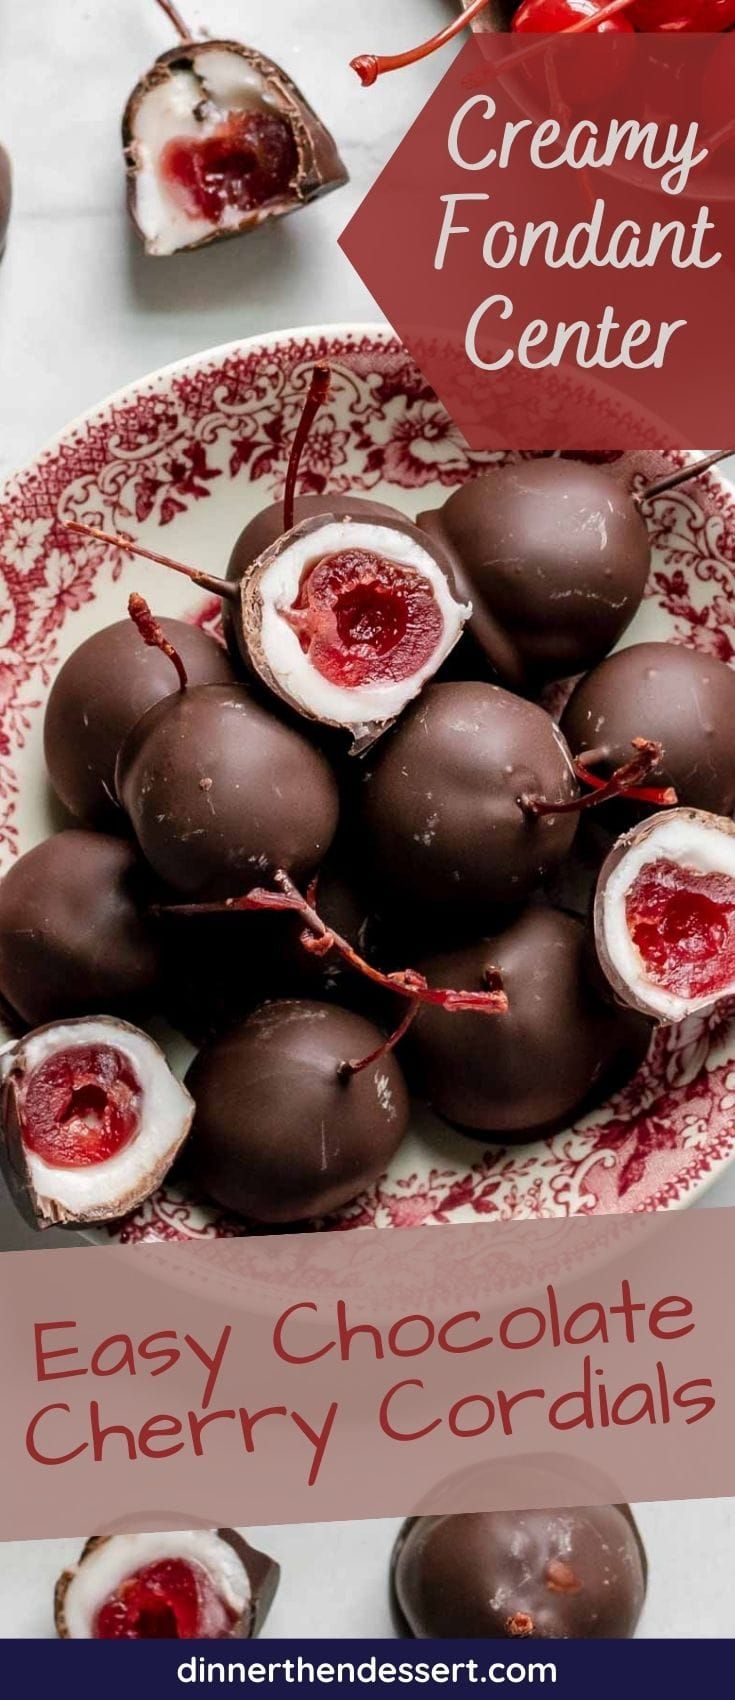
(624,782)
(319,939)
(370,66)
(681,475)
(316,396)
(154,635)
(345,1070)
(175,18)
(115,540)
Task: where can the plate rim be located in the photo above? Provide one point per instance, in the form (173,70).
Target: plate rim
(350,330)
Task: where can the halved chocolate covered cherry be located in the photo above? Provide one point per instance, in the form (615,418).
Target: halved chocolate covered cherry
(217,139)
(679,697)
(347,619)
(92,1119)
(267,527)
(348,613)
(555,556)
(74,932)
(184,1585)
(665,914)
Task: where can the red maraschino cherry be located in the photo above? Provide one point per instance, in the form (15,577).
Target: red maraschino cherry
(547,17)
(694,17)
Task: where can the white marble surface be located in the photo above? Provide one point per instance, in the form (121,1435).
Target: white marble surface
(83,312)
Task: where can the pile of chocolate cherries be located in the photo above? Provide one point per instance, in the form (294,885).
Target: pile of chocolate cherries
(562,17)
(558,1575)
(352,856)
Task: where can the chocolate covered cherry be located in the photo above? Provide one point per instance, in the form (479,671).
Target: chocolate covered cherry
(92,1119)
(218,139)
(267,527)
(560,1046)
(286,1127)
(680,698)
(99,693)
(561,1575)
(554,557)
(347,619)
(74,936)
(199,1584)
(219,792)
(443,815)
(665,914)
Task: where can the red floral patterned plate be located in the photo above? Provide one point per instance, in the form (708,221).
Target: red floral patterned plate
(183,459)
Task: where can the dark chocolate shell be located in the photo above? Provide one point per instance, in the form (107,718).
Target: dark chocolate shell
(318,164)
(562,1574)
(265,529)
(702,846)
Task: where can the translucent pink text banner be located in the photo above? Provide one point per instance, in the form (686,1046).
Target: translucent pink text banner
(330,1376)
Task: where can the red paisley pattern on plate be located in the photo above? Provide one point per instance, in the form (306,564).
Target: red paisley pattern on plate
(153,458)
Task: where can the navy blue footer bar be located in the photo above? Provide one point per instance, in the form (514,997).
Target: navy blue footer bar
(569,1669)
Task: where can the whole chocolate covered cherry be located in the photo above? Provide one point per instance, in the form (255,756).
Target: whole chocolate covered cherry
(554,556)
(99,693)
(220,793)
(673,695)
(284,1130)
(560,1046)
(442,812)
(561,1575)
(74,936)
(183,1585)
